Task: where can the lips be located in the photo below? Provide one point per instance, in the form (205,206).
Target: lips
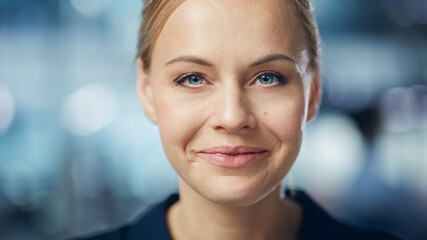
(233,157)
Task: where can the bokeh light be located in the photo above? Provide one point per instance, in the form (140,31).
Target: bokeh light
(89,109)
(7,108)
(332,156)
(90,8)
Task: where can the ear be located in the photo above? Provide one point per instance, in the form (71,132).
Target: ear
(315,96)
(145,92)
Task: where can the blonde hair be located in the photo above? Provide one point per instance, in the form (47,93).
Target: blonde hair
(156,13)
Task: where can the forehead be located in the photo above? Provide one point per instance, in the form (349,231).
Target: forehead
(229,29)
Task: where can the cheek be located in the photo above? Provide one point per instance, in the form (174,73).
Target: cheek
(284,116)
(285,120)
(287,125)
(174,122)
(175,129)
(178,121)
(290,118)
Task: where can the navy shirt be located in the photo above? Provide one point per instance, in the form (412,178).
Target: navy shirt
(316,224)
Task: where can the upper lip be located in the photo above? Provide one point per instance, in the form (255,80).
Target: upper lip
(232,150)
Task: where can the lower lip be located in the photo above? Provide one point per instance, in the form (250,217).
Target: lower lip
(233,161)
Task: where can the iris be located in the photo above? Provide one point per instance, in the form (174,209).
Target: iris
(195,80)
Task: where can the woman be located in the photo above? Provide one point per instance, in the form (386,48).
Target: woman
(231,85)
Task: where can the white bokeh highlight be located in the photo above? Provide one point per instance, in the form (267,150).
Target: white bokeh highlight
(89,109)
(7,109)
(90,8)
(331,157)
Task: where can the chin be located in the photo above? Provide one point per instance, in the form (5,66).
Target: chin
(232,199)
(232,195)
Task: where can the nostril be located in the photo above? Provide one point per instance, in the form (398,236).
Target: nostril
(234,124)
(232,112)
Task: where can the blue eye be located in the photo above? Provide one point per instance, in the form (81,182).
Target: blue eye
(191,80)
(270,78)
(195,80)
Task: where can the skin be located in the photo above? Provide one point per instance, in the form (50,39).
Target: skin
(231,106)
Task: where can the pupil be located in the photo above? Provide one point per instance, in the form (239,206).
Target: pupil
(195,80)
(266,79)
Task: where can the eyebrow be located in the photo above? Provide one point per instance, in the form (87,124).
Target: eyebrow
(191,59)
(200,61)
(272,57)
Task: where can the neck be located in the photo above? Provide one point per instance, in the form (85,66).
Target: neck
(195,217)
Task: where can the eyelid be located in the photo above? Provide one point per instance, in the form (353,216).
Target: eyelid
(182,78)
(281,78)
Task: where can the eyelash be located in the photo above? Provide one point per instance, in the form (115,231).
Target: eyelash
(181,79)
(280,78)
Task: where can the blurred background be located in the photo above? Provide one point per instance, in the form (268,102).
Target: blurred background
(77,154)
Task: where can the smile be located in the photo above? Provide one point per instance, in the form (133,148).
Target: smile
(233,157)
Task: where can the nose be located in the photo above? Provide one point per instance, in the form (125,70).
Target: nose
(232,110)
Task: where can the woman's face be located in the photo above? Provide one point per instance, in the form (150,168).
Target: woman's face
(229,91)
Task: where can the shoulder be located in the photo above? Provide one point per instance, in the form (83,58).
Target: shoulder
(151,225)
(374,234)
(349,231)
(318,224)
